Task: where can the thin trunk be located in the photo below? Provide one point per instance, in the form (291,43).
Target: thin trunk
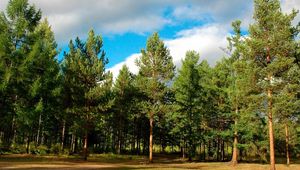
(63,135)
(227,150)
(85,150)
(204,155)
(151,138)
(39,129)
(234,159)
(209,150)
(14,130)
(271,134)
(73,143)
(42,136)
(13,127)
(218,149)
(223,150)
(270,116)
(287,145)
(144,144)
(200,150)
(119,129)
(183,150)
(27,145)
(119,146)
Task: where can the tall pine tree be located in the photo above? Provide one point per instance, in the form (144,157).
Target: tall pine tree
(188,99)
(90,84)
(269,46)
(156,70)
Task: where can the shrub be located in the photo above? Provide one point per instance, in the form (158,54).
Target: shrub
(55,149)
(18,149)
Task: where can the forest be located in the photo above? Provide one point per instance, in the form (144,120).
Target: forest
(245,108)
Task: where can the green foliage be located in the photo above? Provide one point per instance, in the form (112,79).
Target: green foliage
(188,102)
(156,70)
(55,149)
(39,150)
(46,104)
(18,149)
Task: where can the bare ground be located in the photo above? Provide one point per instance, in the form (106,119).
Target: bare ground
(28,162)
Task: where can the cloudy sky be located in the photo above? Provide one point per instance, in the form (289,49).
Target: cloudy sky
(200,25)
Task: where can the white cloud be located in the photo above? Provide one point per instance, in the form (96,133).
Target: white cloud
(206,40)
(70,18)
(217,10)
(289,5)
(129,62)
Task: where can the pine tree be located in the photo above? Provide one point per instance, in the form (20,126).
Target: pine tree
(234,89)
(287,104)
(18,37)
(91,85)
(123,100)
(156,70)
(220,117)
(188,100)
(269,45)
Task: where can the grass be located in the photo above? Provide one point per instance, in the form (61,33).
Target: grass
(125,162)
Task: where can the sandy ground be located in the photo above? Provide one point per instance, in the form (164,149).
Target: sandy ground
(45,163)
(94,165)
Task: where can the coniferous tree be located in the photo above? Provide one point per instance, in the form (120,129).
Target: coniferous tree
(234,88)
(29,67)
(123,101)
(287,105)
(156,70)
(188,101)
(269,46)
(91,85)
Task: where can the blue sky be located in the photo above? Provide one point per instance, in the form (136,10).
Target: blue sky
(200,25)
(123,45)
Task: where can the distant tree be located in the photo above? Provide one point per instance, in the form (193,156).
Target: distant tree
(156,70)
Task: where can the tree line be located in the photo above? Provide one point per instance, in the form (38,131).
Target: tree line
(244,108)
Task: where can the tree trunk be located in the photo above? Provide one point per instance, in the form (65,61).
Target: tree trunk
(151,138)
(39,129)
(14,130)
(223,150)
(270,116)
(63,135)
(183,150)
(27,145)
(235,142)
(218,148)
(271,134)
(73,140)
(204,155)
(200,151)
(209,150)
(85,149)
(287,145)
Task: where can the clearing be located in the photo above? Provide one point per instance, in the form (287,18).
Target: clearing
(109,161)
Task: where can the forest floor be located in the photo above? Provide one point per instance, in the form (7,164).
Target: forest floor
(109,162)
